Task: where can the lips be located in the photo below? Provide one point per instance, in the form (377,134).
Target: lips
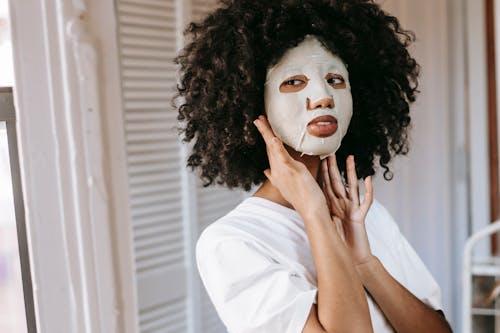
(322,126)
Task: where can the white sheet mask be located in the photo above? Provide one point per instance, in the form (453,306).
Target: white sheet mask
(309,82)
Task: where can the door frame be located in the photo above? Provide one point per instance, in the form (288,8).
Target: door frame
(63,152)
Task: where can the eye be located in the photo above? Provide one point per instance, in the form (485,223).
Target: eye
(294,84)
(335,80)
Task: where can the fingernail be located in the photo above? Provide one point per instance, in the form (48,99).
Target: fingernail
(255,122)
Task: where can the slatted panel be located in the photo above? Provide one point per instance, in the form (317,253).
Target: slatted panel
(213,202)
(170,314)
(147,38)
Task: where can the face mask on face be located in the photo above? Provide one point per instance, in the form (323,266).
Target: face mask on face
(308,99)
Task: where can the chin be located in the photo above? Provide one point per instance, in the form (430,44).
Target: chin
(322,154)
(322,147)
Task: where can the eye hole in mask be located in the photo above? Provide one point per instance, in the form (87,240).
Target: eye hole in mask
(335,80)
(294,84)
(298,82)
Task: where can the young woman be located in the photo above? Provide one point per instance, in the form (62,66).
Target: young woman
(300,98)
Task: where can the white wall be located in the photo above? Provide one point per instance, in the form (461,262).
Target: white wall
(440,192)
(420,196)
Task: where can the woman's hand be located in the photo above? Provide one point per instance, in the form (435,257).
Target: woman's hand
(345,206)
(290,177)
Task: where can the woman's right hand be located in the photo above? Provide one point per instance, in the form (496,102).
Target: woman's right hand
(341,302)
(345,206)
(292,178)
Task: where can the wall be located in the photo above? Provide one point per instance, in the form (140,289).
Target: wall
(419,197)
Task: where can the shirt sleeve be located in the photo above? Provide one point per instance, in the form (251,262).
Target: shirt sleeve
(401,260)
(419,280)
(250,291)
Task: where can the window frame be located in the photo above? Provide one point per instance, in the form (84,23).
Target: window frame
(8,115)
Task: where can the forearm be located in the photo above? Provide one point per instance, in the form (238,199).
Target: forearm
(342,304)
(405,312)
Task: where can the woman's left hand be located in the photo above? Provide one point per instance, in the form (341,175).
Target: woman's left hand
(291,177)
(345,206)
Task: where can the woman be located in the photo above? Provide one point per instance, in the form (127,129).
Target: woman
(305,253)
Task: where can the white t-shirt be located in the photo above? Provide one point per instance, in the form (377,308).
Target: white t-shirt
(257,267)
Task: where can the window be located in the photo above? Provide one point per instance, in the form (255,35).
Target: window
(12,317)
(12,306)
(15,282)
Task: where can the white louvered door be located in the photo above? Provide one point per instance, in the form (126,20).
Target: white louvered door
(213,203)
(147,39)
(169,207)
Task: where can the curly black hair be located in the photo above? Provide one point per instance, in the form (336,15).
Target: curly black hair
(223,70)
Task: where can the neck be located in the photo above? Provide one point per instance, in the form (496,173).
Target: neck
(270,192)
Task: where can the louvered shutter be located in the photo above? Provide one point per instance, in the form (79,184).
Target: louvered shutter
(147,39)
(213,202)
(163,240)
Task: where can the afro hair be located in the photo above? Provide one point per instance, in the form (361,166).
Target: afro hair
(223,71)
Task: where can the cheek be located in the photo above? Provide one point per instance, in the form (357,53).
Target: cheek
(286,105)
(343,101)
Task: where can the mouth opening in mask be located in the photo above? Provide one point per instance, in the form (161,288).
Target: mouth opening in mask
(322,126)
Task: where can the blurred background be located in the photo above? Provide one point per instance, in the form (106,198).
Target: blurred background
(92,84)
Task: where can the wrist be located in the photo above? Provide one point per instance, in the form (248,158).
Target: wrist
(368,267)
(315,213)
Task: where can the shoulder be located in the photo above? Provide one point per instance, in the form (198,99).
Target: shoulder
(229,231)
(218,232)
(251,221)
(227,255)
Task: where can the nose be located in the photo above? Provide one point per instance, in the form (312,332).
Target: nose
(320,104)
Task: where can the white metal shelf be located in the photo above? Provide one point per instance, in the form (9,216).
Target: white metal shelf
(474,266)
(486,266)
(485,312)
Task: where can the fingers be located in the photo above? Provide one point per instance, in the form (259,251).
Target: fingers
(335,177)
(327,184)
(273,144)
(368,197)
(264,129)
(352,180)
(333,201)
(267,172)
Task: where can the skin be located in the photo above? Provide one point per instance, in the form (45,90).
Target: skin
(334,220)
